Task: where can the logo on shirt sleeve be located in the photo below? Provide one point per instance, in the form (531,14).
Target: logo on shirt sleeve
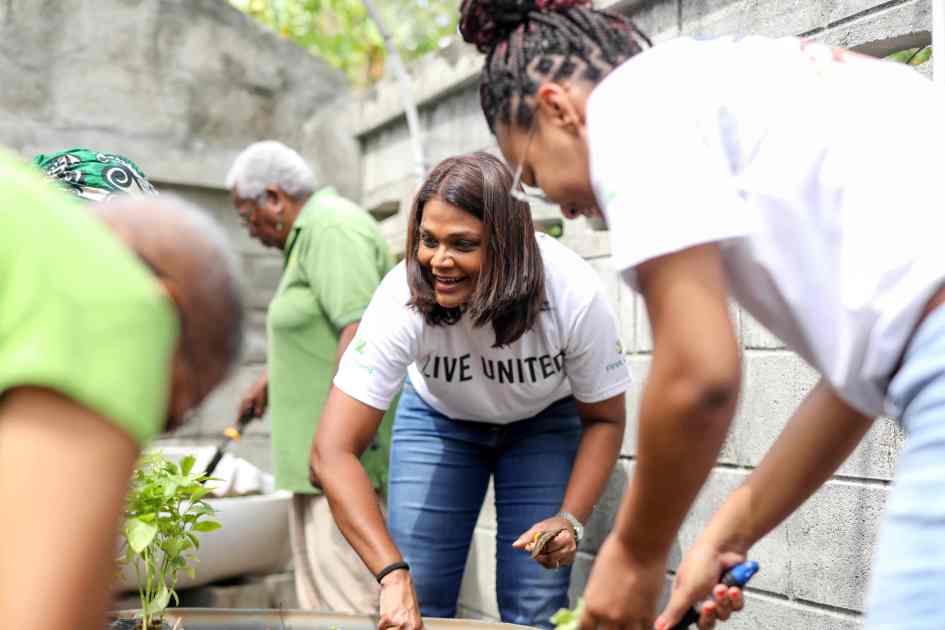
(621,358)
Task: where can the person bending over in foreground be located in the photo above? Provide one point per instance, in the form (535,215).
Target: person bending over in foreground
(104,342)
(745,168)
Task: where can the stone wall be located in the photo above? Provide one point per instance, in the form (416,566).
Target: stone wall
(180,87)
(815,566)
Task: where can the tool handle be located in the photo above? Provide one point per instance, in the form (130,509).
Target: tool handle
(245,418)
(736,576)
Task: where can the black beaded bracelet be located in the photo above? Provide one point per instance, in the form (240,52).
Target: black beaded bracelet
(390,568)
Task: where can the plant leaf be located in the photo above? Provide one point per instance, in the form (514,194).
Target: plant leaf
(139,534)
(922,56)
(160,601)
(170,489)
(206,526)
(187,464)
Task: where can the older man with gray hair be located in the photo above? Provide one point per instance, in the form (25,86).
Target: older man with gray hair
(335,257)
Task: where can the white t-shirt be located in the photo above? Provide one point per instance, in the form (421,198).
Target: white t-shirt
(574,348)
(817,170)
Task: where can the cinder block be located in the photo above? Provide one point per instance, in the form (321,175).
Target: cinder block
(831,540)
(821,554)
(643,333)
(487,517)
(659,20)
(755,336)
(387,156)
(764,612)
(639,366)
(478,588)
(627,313)
(605,510)
(580,571)
(773,383)
(773,386)
(765,17)
(773,552)
(609,279)
(582,238)
(877,454)
(909,21)
(455,125)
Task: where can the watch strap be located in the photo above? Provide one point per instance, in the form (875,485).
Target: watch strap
(576,527)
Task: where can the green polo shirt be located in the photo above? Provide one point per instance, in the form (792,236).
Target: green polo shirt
(335,257)
(79,314)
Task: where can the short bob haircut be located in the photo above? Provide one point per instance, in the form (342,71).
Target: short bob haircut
(511,288)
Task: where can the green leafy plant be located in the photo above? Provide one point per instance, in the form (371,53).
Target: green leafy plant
(165,510)
(566,619)
(912,56)
(340,32)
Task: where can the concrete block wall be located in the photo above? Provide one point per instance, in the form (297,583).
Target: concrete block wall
(180,87)
(816,565)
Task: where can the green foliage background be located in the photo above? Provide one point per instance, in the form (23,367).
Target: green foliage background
(341,32)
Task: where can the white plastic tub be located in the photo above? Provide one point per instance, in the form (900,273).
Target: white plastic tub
(254,537)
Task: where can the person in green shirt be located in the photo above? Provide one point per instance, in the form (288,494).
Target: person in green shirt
(114,322)
(334,258)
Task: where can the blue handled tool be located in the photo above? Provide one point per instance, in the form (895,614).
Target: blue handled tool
(736,576)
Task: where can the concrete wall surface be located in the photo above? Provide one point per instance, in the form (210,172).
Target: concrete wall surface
(815,566)
(180,87)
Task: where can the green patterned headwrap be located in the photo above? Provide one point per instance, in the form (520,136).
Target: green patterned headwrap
(94,175)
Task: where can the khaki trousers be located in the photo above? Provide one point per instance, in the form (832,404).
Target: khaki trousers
(329,575)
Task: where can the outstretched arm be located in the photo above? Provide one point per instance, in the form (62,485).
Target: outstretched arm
(688,403)
(818,439)
(602,434)
(64,474)
(344,432)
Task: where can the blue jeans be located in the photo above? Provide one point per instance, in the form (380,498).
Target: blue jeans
(439,473)
(908,584)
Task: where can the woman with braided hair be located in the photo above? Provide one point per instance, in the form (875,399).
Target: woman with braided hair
(746,168)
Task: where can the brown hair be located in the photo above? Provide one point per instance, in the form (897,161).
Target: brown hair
(511,287)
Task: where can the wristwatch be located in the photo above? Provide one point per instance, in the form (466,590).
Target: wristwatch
(575,525)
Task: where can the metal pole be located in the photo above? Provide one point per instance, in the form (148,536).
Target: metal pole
(406,93)
(938,41)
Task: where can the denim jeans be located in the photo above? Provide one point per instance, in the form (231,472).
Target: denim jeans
(439,473)
(907,591)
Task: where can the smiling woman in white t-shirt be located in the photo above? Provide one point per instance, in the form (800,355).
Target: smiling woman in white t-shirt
(515,372)
(780,172)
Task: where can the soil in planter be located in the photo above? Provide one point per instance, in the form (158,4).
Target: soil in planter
(135,624)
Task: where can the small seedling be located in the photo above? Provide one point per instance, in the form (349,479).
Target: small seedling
(566,619)
(164,512)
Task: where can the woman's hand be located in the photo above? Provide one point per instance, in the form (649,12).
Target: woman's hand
(696,579)
(256,398)
(399,607)
(623,590)
(558,551)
